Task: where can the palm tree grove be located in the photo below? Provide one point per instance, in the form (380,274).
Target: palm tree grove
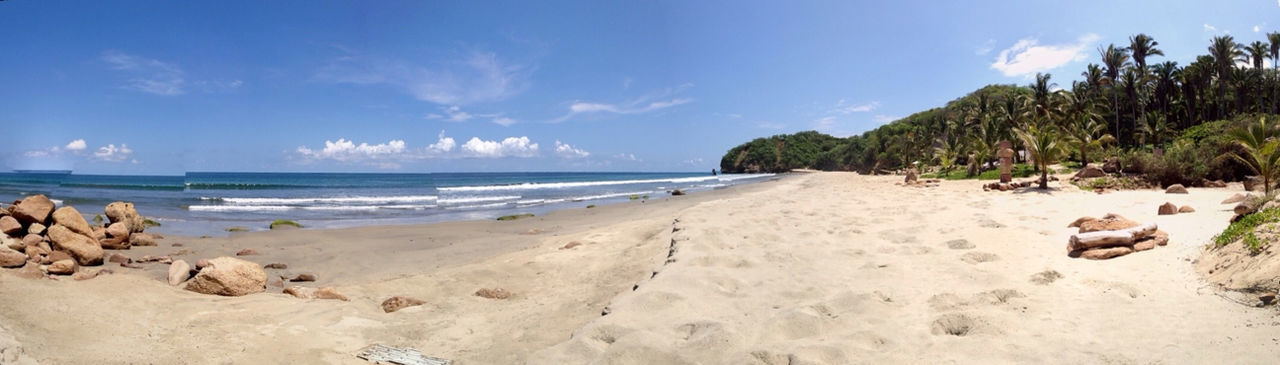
(1154,121)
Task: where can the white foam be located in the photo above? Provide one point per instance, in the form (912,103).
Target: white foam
(578,184)
(481,206)
(475,199)
(326,200)
(273,208)
(238,208)
(614,195)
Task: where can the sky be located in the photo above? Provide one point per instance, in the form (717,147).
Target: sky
(167,87)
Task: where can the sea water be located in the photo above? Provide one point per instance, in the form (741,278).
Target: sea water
(198,204)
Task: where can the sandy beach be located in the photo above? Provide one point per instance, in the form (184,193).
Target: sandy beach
(818,268)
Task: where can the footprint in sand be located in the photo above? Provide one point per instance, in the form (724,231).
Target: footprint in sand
(979,257)
(958,324)
(1045,277)
(960,244)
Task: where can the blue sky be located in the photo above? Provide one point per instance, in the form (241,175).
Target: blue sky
(164,87)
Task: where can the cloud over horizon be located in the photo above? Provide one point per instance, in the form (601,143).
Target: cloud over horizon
(475,77)
(1027,56)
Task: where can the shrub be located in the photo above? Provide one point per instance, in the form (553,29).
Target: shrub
(1243,230)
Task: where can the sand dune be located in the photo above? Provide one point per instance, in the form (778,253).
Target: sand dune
(826,268)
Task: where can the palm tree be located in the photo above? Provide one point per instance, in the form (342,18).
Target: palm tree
(1042,142)
(1274,39)
(1154,129)
(1039,106)
(1142,46)
(1225,52)
(1115,59)
(1261,150)
(1258,51)
(1084,125)
(1166,76)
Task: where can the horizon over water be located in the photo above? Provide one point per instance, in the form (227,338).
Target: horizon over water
(207,203)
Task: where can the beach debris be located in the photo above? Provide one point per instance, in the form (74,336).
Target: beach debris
(495,293)
(125,212)
(1168,209)
(175,244)
(86,250)
(396,303)
(229,276)
(571,245)
(179,271)
(277,266)
(382,354)
(1266,299)
(1186,209)
(33,209)
(63,267)
(247,252)
(12,259)
(10,225)
(304,277)
(1113,236)
(1176,189)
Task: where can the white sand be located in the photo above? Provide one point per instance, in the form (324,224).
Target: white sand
(818,268)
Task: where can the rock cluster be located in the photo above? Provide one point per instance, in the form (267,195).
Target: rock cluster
(999,186)
(41,237)
(1113,236)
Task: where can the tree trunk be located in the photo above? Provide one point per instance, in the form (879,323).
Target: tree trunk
(1044,178)
(1123,237)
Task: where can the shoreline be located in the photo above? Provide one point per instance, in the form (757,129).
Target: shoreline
(817,267)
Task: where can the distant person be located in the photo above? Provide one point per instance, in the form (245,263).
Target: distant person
(713,172)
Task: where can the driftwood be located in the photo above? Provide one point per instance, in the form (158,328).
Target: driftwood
(1106,253)
(382,354)
(1123,237)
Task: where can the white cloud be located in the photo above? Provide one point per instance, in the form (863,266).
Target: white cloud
(510,147)
(76,145)
(985,48)
(843,107)
(443,144)
(883,119)
(646,104)
(694,161)
(504,121)
(150,76)
(1027,56)
(770,125)
(825,124)
(1257,29)
(111,153)
(567,151)
(1210,28)
(626,157)
(476,77)
(347,151)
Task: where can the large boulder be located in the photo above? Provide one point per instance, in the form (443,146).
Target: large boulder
(116,237)
(1176,189)
(63,267)
(1168,209)
(1236,198)
(911,176)
(1186,209)
(86,250)
(70,217)
(1253,183)
(142,239)
(1090,171)
(229,276)
(125,212)
(11,258)
(1111,166)
(10,225)
(33,209)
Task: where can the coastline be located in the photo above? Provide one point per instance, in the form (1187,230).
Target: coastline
(819,267)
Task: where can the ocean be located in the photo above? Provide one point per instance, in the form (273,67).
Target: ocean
(199,204)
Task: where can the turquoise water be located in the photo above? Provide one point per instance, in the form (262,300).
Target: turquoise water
(207,203)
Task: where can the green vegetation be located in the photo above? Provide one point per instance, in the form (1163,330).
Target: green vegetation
(515,217)
(237,229)
(97,219)
(589,206)
(1244,229)
(1165,121)
(282,223)
(635,197)
(148,222)
(1019,171)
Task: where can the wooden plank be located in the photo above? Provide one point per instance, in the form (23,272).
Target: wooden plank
(382,354)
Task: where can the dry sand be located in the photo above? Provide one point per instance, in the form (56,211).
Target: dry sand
(827,268)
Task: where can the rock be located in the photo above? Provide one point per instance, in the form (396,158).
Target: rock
(304,277)
(159,259)
(398,302)
(130,265)
(36,228)
(118,230)
(70,217)
(10,258)
(179,271)
(125,212)
(1267,298)
(182,252)
(59,256)
(300,292)
(1176,189)
(38,254)
(1111,166)
(33,209)
(175,244)
(911,176)
(1089,171)
(10,225)
(11,243)
(63,267)
(1252,183)
(142,239)
(30,272)
(114,243)
(1168,209)
(1213,184)
(329,293)
(1109,222)
(497,293)
(32,240)
(247,252)
(201,263)
(1236,198)
(88,274)
(277,282)
(118,258)
(229,276)
(1248,206)
(1080,221)
(1140,246)
(571,245)
(1186,209)
(1161,238)
(86,251)
(1106,253)
(677,192)
(276,265)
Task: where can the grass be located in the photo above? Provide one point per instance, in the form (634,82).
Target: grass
(280,223)
(1243,229)
(237,229)
(148,222)
(1019,171)
(515,217)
